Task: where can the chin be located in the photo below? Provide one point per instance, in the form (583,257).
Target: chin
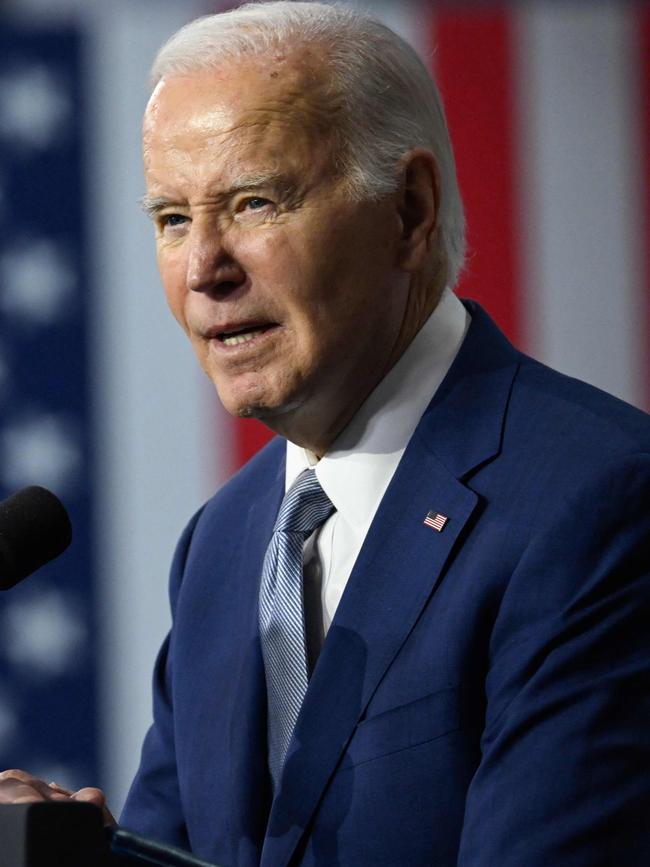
(278,417)
(250,411)
(259,402)
(249,406)
(261,411)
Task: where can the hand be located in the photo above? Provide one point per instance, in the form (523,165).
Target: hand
(19,787)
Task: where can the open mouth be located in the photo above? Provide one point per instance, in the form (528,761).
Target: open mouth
(243,335)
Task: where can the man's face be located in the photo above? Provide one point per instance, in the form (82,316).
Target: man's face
(287,289)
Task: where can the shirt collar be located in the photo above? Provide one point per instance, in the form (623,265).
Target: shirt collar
(357,469)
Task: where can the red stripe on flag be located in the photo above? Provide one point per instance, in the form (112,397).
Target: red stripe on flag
(473,56)
(644,60)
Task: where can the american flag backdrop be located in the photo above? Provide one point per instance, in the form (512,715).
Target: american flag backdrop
(549,109)
(47,659)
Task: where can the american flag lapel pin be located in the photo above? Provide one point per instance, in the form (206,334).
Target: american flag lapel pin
(436,521)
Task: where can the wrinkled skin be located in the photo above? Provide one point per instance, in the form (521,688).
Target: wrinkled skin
(19,787)
(256,232)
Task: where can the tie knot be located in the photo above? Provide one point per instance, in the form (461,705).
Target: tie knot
(305,506)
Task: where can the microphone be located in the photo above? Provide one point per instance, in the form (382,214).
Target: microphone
(34,529)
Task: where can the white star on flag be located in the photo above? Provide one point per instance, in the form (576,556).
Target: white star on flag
(44,633)
(42,450)
(36,282)
(35,108)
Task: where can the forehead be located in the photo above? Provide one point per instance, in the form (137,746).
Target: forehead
(236,111)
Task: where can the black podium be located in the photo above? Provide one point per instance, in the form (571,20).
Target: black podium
(69,834)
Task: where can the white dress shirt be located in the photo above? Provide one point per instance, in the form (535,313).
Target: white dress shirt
(358,468)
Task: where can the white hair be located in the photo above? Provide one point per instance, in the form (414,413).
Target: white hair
(386,100)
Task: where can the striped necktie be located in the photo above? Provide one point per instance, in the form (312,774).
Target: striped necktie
(282,628)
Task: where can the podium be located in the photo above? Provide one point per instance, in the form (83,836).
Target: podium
(69,834)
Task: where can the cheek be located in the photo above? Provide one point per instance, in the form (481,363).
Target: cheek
(269,254)
(288,276)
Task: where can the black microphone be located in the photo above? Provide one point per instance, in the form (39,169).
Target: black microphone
(34,529)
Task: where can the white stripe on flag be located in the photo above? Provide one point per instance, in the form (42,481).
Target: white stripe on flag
(579,194)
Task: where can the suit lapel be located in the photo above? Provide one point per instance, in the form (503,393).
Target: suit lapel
(398,568)
(251,792)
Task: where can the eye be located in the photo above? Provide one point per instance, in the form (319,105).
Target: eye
(254,210)
(256,202)
(172,220)
(172,225)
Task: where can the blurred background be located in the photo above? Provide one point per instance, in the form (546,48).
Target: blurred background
(549,109)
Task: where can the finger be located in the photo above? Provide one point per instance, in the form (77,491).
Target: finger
(97,797)
(15,774)
(26,779)
(59,789)
(93,796)
(13,791)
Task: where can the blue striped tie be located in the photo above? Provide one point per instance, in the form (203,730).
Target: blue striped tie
(282,628)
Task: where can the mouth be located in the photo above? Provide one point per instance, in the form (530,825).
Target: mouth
(242,334)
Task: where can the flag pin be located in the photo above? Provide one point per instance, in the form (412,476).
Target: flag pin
(436,521)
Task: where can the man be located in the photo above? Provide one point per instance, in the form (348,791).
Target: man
(467,683)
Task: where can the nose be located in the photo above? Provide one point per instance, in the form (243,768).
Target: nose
(211,267)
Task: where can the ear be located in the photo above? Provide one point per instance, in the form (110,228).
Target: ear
(418,207)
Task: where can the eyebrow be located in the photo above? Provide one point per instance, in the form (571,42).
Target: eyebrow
(153,205)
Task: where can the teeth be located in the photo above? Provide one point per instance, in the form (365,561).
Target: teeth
(235,339)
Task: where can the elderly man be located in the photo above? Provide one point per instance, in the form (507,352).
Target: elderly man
(410,631)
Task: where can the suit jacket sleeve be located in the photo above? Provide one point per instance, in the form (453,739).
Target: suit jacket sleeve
(153,805)
(563,777)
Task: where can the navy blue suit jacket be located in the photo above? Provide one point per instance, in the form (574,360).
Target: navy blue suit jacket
(481,698)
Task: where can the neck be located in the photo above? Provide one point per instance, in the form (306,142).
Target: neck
(422,301)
